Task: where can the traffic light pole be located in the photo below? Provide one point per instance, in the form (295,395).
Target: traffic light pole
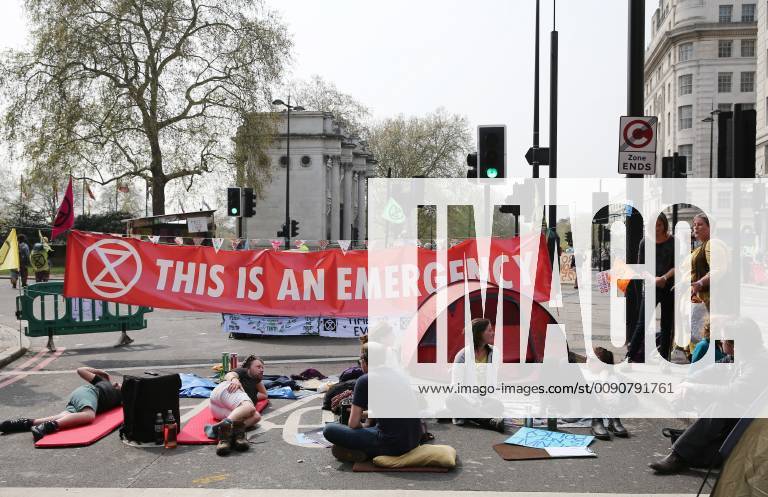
(287,232)
(535,162)
(553,122)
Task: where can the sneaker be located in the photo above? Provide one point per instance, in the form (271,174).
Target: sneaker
(44,429)
(348,455)
(16,425)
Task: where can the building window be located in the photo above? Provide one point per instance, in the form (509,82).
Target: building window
(283,161)
(685,113)
(685,52)
(306,161)
(748,106)
(726,13)
(748,81)
(685,84)
(669,59)
(724,82)
(724,107)
(748,12)
(669,91)
(747,48)
(724,200)
(687,152)
(724,48)
(669,118)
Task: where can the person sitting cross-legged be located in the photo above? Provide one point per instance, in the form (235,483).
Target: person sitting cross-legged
(85,402)
(359,439)
(233,404)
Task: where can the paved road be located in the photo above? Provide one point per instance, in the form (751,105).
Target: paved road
(189,342)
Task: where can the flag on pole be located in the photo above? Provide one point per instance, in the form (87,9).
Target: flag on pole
(89,192)
(65,216)
(9,252)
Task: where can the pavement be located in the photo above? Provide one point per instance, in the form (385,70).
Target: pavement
(40,381)
(193,492)
(13,344)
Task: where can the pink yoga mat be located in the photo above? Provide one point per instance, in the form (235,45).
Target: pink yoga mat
(104,424)
(193,432)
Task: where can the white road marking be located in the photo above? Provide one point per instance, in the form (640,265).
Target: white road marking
(222,492)
(191,366)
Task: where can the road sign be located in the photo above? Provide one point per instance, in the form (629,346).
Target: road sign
(637,145)
(540,155)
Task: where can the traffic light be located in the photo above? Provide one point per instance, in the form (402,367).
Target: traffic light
(673,167)
(281,233)
(472,165)
(234,206)
(491,155)
(249,202)
(294,228)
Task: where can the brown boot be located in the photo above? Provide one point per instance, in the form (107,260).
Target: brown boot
(224,447)
(239,442)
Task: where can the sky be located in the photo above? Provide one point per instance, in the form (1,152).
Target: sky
(471,58)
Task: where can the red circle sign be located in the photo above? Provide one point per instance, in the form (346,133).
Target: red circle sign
(637,133)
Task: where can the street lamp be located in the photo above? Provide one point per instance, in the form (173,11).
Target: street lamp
(287,225)
(711,121)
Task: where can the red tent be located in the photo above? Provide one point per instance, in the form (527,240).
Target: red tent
(428,315)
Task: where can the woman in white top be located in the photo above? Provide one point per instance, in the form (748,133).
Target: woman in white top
(483,336)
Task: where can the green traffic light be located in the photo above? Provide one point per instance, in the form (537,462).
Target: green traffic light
(234,211)
(492,172)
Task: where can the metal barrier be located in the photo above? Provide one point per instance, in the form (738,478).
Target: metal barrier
(49,313)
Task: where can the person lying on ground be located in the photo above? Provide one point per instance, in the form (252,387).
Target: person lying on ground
(85,402)
(233,404)
(358,440)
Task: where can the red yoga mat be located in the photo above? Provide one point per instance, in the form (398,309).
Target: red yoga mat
(104,424)
(193,432)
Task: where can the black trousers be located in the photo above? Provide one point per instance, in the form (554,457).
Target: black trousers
(699,444)
(666,299)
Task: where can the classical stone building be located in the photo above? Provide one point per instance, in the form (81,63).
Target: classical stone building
(702,56)
(328,170)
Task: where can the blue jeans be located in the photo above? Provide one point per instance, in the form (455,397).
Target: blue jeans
(365,439)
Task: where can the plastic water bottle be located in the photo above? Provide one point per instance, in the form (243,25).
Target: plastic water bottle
(159,435)
(170,431)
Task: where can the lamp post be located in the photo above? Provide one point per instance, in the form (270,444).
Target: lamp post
(287,226)
(711,121)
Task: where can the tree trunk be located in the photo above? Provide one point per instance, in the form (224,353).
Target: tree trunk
(158,178)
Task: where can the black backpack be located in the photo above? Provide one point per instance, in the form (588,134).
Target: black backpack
(143,398)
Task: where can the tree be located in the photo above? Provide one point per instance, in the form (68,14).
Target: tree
(321,95)
(151,89)
(434,146)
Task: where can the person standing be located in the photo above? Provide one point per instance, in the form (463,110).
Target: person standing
(23,271)
(665,297)
(39,260)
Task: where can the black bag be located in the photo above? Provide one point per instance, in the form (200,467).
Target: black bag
(143,398)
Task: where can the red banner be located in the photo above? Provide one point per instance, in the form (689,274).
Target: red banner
(266,282)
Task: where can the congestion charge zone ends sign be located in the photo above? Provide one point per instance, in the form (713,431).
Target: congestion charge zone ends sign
(637,163)
(637,145)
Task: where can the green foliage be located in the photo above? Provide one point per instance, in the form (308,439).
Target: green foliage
(103,223)
(26,220)
(150,89)
(434,146)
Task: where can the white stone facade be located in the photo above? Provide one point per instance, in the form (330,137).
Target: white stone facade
(761,107)
(695,49)
(328,184)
